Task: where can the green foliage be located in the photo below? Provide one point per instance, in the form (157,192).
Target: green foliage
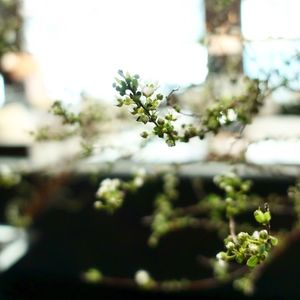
(68,117)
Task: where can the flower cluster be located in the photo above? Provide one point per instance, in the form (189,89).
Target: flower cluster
(235,190)
(145,101)
(111,193)
(242,108)
(250,249)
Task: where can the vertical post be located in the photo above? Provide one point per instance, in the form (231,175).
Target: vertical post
(10,28)
(223,36)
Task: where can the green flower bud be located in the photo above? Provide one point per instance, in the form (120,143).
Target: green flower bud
(263,234)
(221,255)
(230,246)
(267,216)
(159,96)
(170,142)
(242,236)
(253,248)
(144,134)
(143,118)
(93,276)
(160,121)
(259,216)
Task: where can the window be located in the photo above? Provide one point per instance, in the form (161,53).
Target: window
(271,29)
(80,45)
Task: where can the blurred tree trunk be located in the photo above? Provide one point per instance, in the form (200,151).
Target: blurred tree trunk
(224,42)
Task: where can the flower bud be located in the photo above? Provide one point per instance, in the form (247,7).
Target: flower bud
(144,134)
(93,276)
(263,234)
(221,255)
(98,204)
(230,245)
(142,278)
(160,121)
(259,216)
(255,235)
(242,236)
(149,89)
(253,248)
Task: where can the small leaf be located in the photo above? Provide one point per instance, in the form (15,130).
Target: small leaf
(274,240)
(252,261)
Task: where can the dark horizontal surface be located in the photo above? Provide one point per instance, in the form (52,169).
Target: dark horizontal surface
(69,237)
(14,151)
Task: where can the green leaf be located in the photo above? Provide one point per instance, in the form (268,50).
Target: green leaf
(274,240)
(252,261)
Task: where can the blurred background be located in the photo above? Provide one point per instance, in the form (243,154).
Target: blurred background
(55,50)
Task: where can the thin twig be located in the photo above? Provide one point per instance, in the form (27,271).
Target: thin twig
(232,229)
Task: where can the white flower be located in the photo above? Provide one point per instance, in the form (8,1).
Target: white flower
(142,277)
(138,181)
(222,263)
(253,248)
(230,245)
(231,115)
(255,235)
(108,185)
(149,89)
(221,256)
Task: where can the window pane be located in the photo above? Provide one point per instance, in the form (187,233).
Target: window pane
(262,57)
(262,19)
(81,44)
